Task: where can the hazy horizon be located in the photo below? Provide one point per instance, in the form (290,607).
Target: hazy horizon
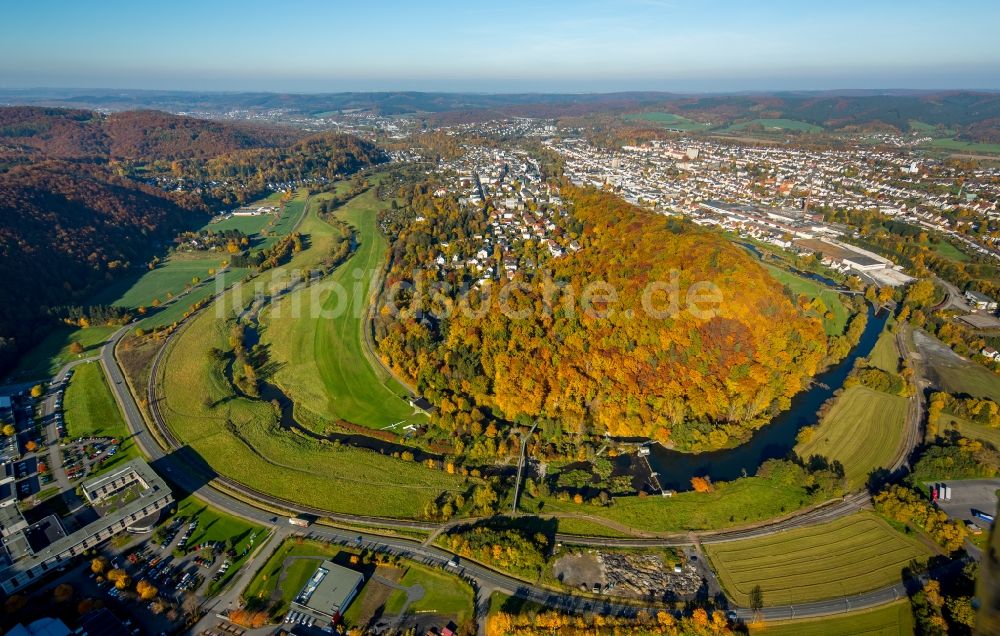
(558,47)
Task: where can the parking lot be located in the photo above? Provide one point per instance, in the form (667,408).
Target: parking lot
(969,496)
(84,455)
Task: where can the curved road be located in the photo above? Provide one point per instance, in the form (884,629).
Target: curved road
(195,481)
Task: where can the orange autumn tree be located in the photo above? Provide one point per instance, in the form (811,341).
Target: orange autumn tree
(701,484)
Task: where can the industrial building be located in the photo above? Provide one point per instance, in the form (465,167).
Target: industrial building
(127,499)
(327,593)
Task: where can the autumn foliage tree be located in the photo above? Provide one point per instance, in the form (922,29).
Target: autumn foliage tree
(120,578)
(98,565)
(63,592)
(247,618)
(147,591)
(701,484)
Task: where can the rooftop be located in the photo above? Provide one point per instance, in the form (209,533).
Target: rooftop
(330,589)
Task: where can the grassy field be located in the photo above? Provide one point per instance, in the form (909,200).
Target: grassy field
(973,379)
(323,367)
(885,355)
(500,602)
(45,359)
(863,431)
(294,210)
(240,437)
(894,619)
(778,124)
(847,556)
(949,251)
(265,581)
(732,503)
(973,430)
(668,120)
(89,406)
(174,311)
(798,285)
(172,277)
(965,146)
(958,376)
(929,129)
(586,527)
(249,225)
(90,410)
(176,272)
(443,594)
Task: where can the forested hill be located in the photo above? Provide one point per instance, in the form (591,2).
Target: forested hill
(136,135)
(700,381)
(77,209)
(66,228)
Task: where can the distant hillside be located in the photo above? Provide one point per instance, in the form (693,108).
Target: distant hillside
(974,114)
(136,135)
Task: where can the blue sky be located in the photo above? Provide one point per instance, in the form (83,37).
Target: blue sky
(683,45)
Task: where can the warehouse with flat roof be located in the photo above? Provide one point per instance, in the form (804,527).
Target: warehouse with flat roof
(328,592)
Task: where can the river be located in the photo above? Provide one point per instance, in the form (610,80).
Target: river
(775,440)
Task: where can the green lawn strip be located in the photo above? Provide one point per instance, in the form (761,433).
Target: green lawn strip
(734,503)
(48,356)
(885,355)
(172,276)
(91,411)
(779,124)
(893,619)
(973,430)
(443,593)
(863,431)
(585,527)
(323,366)
(294,210)
(814,289)
(965,146)
(850,555)
(668,120)
(90,408)
(249,225)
